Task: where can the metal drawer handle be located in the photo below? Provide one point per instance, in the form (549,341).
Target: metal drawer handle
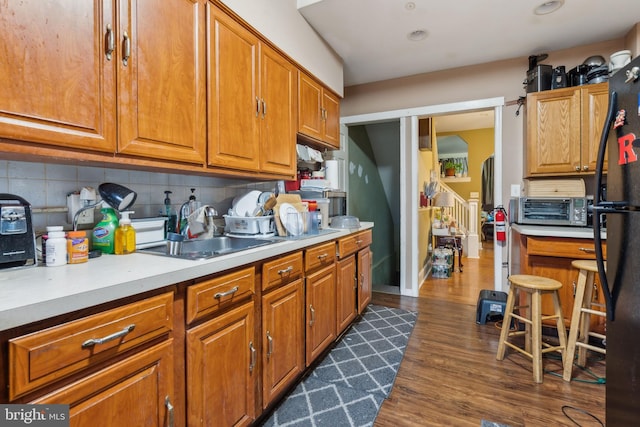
(313,315)
(94,341)
(126,48)
(270,345)
(322,256)
(286,270)
(358,242)
(588,250)
(264,108)
(227,293)
(257,106)
(252,349)
(169,406)
(109,43)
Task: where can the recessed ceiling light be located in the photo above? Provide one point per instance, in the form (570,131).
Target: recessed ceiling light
(548,7)
(417,35)
(410,5)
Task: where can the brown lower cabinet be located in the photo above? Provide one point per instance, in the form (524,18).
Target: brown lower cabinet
(217,350)
(221,368)
(346,293)
(551,257)
(135,392)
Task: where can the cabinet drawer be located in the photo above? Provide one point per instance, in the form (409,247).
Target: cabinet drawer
(212,295)
(564,248)
(282,270)
(319,256)
(351,244)
(42,357)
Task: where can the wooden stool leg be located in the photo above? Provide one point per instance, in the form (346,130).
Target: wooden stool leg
(527,312)
(585,319)
(575,325)
(562,332)
(536,335)
(506,322)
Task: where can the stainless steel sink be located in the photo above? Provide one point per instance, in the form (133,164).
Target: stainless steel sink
(198,249)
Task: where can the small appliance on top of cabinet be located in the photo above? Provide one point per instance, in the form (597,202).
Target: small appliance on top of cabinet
(17,239)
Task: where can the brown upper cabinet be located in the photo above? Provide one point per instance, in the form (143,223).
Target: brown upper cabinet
(563,129)
(252,95)
(124,77)
(318,111)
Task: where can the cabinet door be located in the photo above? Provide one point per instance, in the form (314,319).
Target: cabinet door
(561,270)
(347,288)
(364,279)
(221,370)
(331,111)
(309,106)
(58,87)
(282,339)
(321,311)
(595,102)
(233,99)
(278,84)
(161,86)
(553,132)
(137,391)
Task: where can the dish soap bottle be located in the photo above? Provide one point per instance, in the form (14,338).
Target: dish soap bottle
(103,234)
(125,237)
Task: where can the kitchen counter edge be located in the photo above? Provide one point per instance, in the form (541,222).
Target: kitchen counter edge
(556,231)
(33,294)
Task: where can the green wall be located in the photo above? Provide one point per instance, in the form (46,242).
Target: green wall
(368,202)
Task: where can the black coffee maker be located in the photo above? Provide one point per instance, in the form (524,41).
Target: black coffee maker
(17,239)
(539,76)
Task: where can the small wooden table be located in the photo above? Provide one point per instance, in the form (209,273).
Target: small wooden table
(451,242)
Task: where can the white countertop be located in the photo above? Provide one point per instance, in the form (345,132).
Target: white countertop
(37,293)
(556,231)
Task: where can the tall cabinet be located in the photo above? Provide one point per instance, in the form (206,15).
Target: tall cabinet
(318,111)
(252,99)
(125,77)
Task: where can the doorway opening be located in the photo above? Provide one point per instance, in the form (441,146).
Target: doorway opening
(408,175)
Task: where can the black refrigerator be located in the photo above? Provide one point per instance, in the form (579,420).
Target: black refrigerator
(619,202)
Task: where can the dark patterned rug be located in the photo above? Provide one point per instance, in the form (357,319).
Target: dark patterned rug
(348,387)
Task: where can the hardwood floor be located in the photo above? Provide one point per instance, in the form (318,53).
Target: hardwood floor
(450,376)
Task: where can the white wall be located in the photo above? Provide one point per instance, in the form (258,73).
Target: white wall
(281,23)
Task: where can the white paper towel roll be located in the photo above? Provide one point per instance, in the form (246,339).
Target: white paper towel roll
(331,173)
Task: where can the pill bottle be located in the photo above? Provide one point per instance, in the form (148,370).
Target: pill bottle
(44,238)
(56,252)
(77,247)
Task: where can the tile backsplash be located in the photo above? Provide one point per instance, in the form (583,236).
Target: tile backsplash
(46,185)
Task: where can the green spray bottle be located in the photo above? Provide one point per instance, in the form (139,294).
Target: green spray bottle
(103,234)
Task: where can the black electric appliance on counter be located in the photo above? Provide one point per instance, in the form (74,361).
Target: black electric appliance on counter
(17,239)
(621,281)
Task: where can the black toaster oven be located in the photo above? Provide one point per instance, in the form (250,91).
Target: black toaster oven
(17,238)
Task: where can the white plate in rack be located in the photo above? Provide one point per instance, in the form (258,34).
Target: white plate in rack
(292,223)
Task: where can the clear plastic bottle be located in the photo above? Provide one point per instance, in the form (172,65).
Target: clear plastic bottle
(125,237)
(56,253)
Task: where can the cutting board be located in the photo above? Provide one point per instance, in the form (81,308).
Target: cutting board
(294,200)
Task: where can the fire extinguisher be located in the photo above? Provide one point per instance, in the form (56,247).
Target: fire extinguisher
(500,224)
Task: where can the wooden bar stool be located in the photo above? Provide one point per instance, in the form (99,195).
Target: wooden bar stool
(581,317)
(534,287)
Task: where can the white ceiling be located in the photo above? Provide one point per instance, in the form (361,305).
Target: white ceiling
(371,35)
